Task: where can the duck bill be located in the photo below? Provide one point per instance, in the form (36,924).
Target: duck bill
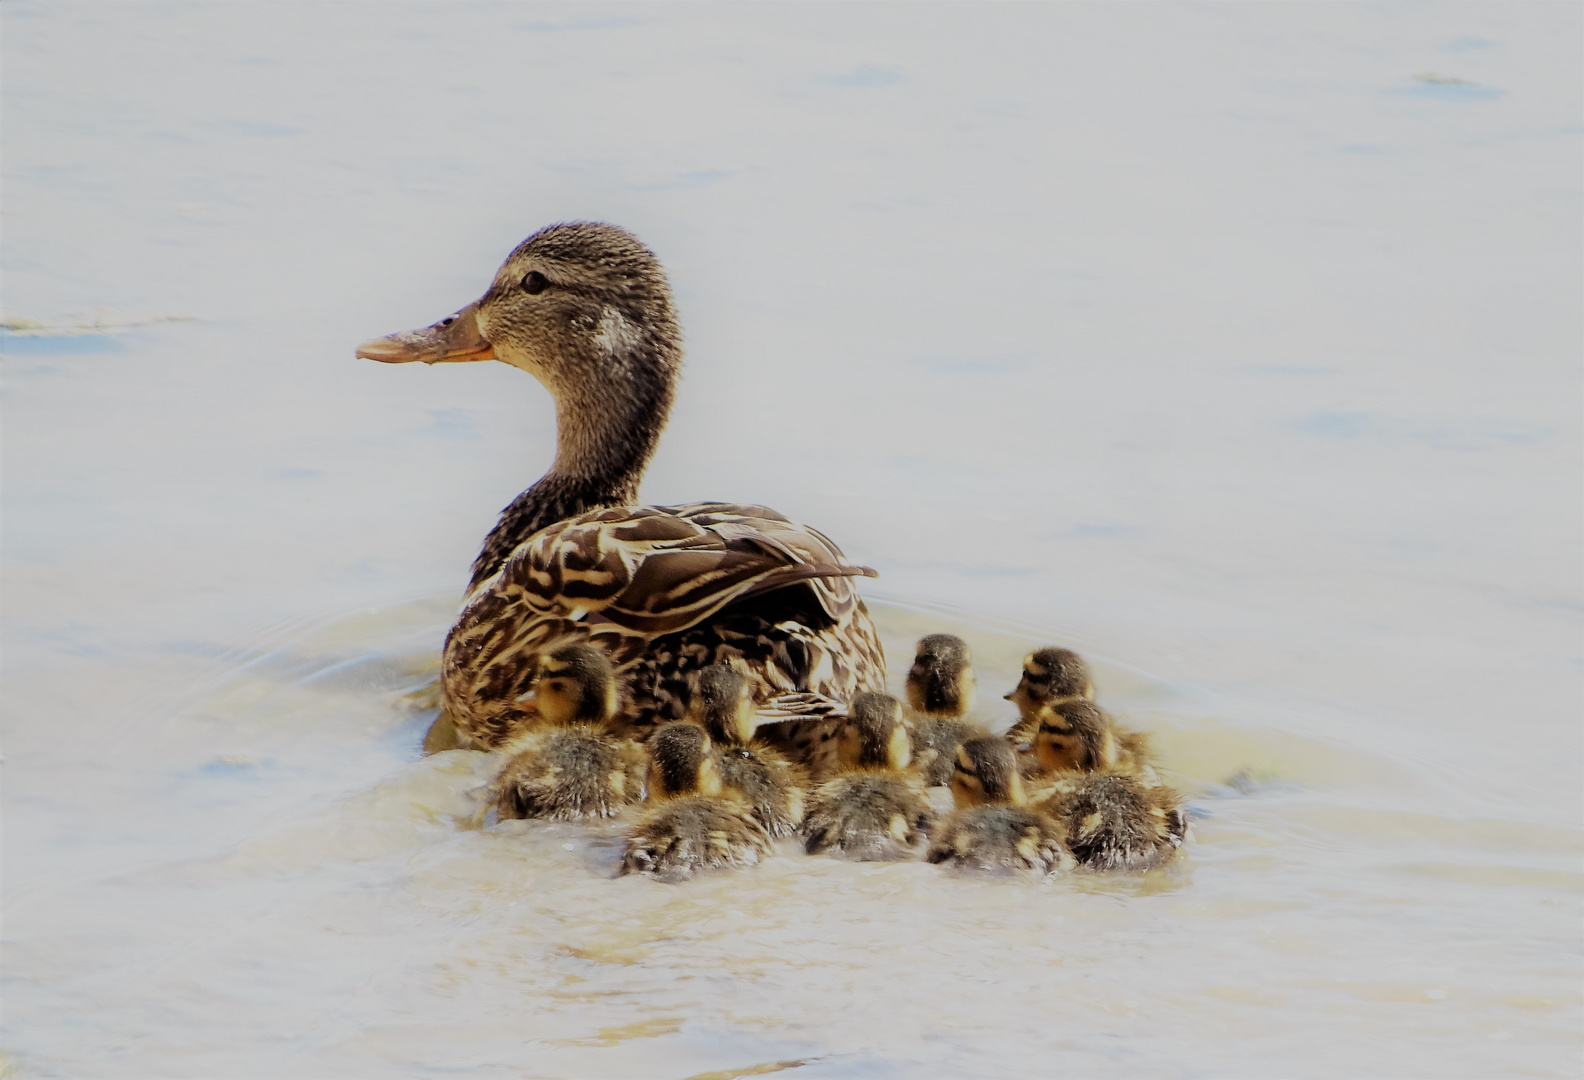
(455,339)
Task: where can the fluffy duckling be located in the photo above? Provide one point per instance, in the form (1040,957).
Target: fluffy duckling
(1057,686)
(694,828)
(1079,736)
(940,688)
(1113,822)
(1051,676)
(874,811)
(774,788)
(993,830)
(569,766)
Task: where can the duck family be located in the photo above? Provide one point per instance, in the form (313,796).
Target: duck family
(709,671)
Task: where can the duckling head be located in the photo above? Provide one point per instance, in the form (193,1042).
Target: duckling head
(1074,735)
(986,774)
(873,736)
(586,309)
(723,705)
(576,686)
(680,763)
(1052,675)
(941,681)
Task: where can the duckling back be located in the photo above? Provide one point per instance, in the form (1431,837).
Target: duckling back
(685,836)
(692,827)
(1116,822)
(875,811)
(868,817)
(1000,840)
(570,773)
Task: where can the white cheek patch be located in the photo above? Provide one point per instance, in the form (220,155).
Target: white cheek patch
(614,335)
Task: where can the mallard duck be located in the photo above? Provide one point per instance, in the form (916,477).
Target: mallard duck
(875,811)
(1079,736)
(1056,686)
(662,590)
(1115,822)
(694,828)
(993,829)
(773,787)
(1051,676)
(568,766)
(940,688)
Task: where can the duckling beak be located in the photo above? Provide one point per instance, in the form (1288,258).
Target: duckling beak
(453,340)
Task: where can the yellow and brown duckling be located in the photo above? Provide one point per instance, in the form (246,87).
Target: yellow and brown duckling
(1056,692)
(940,689)
(1115,822)
(569,766)
(1079,736)
(875,810)
(994,830)
(774,788)
(698,824)
(1051,677)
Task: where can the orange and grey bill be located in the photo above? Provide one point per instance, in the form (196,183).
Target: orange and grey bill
(454,339)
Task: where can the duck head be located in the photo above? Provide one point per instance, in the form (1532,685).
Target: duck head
(1074,736)
(576,686)
(723,705)
(873,736)
(681,763)
(941,681)
(1052,675)
(586,309)
(985,774)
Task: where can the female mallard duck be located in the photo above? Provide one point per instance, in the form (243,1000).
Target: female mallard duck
(1115,822)
(569,766)
(875,811)
(940,688)
(663,591)
(993,829)
(773,787)
(694,828)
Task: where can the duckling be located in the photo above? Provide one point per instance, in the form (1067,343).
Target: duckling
(1051,676)
(1113,822)
(940,688)
(993,829)
(694,827)
(1056,682)
(569,767)
(874,811)
(1079,736)
(775,789)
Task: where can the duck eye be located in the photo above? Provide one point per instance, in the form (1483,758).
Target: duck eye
(534,283)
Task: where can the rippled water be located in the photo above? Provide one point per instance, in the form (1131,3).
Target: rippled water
(1235,346)
(1336,907)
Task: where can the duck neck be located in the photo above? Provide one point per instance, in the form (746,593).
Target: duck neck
(604,440)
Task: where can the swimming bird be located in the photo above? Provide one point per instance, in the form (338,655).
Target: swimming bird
(663,591)
(1116,822)
(940,689)
(1056,694)
(1051,676)
(697,824)
(993,829)
(874,810)
(773,787)
(568,766)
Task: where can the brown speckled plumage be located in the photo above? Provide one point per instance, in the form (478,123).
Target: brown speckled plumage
(662,591)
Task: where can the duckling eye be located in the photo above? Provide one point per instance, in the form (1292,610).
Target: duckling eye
(534,283)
